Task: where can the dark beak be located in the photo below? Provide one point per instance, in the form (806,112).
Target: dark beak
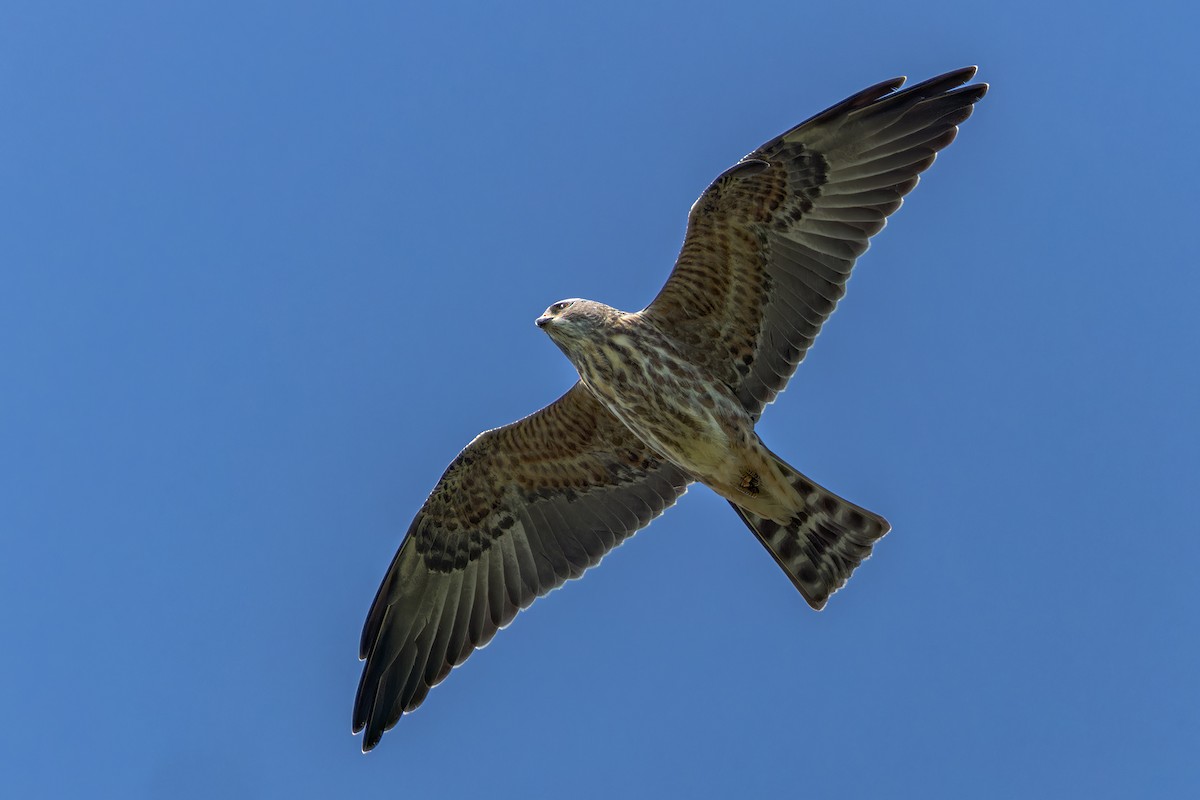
(543,320)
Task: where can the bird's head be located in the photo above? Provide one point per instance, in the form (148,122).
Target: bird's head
(570,321)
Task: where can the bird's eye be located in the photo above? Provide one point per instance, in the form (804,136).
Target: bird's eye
(557,307)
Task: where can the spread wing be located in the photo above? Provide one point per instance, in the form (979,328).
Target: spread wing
(770,244)
(521,510)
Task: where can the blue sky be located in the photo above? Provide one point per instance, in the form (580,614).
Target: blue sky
(267,267)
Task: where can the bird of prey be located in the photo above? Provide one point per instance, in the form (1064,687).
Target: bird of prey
(666,396)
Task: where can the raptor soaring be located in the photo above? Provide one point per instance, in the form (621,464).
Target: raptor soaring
(666,396)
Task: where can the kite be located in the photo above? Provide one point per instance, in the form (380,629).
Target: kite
(666,396)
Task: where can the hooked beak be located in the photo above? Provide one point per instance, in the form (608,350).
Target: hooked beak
(543,320)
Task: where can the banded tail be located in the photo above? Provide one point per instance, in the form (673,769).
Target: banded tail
(823,542)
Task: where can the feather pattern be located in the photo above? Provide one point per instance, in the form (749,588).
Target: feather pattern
(523,509)
(768,250)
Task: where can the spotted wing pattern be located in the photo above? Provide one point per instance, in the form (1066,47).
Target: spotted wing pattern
(520,511)
(770,244)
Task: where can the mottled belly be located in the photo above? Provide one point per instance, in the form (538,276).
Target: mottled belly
(671,406)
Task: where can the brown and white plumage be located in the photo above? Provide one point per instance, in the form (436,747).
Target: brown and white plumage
(667,395)
(521,510)
(770,244)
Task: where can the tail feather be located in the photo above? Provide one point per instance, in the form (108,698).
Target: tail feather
(822,543)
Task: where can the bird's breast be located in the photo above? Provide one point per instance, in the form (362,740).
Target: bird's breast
(670,404)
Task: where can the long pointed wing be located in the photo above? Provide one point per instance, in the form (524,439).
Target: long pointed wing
(521,510)
(770,244)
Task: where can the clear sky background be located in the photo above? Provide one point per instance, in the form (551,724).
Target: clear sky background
(266,267)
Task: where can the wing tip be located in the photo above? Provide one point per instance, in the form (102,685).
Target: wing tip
(964,74)
(357,727)
(886,93)
(372,732)
(948,84)
(941,84)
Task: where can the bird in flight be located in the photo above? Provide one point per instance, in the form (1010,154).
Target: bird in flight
(666,396)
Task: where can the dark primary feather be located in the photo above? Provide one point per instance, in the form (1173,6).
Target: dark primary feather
(521,510)
(769,248)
